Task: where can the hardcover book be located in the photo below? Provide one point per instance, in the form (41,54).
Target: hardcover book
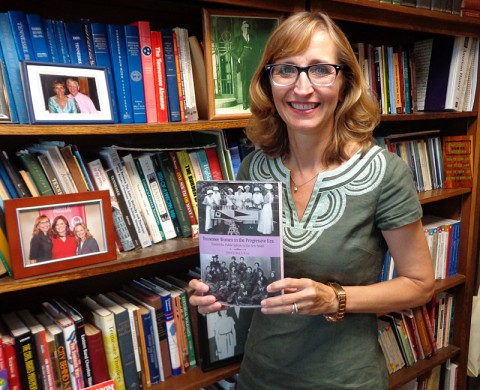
(240,239)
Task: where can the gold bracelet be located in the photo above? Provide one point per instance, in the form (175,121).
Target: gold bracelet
(342,303)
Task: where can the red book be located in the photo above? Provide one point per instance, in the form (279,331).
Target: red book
(422,329)
(8,346)
(96,350)
(147,70)
(159,76)
(106,385)
(214,163)
(181,87)
(183,188)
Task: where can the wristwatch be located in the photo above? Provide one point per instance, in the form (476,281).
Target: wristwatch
(342,303)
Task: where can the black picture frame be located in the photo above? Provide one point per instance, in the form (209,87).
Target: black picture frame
(213,351)
(39,79)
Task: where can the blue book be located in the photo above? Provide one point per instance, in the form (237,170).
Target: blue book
(118,57)
(135,73)
(61,41)
(87,30)
(8,88)
(391,81)
(39,40)
(102,58)
(76,42)
(12,66)
(7,182)
(21,35)
(204,165)
(50,38)
(171,76)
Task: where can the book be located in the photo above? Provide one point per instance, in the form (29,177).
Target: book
(27,179)
(125,341)
(458,161)
(102,182)
(50,174)
(38,38)
(422,332)
(180,78)
(50,39)
(173,99)
(11,110)
(21,34)
(72,347)
(114,162)
(12,172)
(87,29)
(61,42)
(24,350)
(105,321)
(74,169)
(8,348)
(3,366)
(32,165)
(199,77)
(189,178)
(97,353)
(258,237)
(134,61)
(147,70)
(39,337)
(118,58)
(76,43)
(159,76)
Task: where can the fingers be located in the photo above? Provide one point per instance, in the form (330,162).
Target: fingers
(205,303)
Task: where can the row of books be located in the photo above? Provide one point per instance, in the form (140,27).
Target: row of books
(446,6)
(150,72)
(415,334)
(442,377)
(137,336)
(434,74)
(443,238)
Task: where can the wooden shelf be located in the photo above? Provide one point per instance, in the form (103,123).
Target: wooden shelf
(406,374)
(440,194)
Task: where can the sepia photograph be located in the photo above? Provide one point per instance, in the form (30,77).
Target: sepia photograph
(5,114)
(234,44)
(59,93)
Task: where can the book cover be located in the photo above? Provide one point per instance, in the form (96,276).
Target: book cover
(87,30)
(50,38)
(32,165)
(74,169)
(102,58)
(180,76)
(38,38)
(199,77)
(458,161)
(173,98)
(147,70)
(241,244)
(49,173)
(118,57)
(21,34)
(8,347)
(189,178)
(61,41)
(96,350)
(204,165)
(159,76)
(76,43)
(132,41)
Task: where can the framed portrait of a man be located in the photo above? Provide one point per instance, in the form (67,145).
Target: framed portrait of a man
(233,44)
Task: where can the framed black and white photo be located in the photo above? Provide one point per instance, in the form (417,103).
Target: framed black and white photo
(233,45)
(5,113)
(61,93)
(223,336)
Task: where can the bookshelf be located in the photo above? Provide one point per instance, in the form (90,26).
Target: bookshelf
(363,21)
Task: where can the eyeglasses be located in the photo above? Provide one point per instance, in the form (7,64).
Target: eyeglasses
(321,75)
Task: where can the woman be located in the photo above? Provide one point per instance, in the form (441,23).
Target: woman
(41,243)
(209,203)
(64,242)
(345,201)
(225,338)
(60,103)
(86,243)
(265,220)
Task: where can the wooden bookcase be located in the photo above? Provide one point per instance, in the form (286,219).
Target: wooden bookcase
(364,21)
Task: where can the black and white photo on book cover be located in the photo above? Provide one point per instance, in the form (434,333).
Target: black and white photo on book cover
(240,239)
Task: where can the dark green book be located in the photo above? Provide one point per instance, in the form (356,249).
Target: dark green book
(31,164)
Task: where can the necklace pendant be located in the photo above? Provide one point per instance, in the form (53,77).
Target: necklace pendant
(295,189)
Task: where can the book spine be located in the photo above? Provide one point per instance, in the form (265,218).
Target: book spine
(159,77)
(118,57)
(39,41)
(87,30)
(11,363)
(189,176)
(147,70)
(50,38)
(73,168)
(213,163)
(171,77)
(12,68)
(204,166)
(21,34)
(152,358)
(11,110)
(60,168)
(7,182)
(31,164)
(114,162)
(61,41)
(134,61)
(102,58)
(50,174)
(180,76)
(96,350)
(17,181)
(188,329)
(76,43)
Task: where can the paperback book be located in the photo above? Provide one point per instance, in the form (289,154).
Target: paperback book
(240,239)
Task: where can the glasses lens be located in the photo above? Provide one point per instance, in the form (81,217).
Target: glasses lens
(283,74)
(322,74)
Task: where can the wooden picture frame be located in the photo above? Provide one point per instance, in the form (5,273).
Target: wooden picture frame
(41,81)
(231,61)
(223,335)
(87,211)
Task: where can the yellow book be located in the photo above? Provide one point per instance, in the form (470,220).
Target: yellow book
(189,177)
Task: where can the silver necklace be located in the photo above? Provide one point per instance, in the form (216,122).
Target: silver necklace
(296,187)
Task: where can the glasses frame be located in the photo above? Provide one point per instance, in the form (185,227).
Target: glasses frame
(305,69)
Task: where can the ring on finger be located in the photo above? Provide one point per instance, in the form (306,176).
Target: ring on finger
(294,308)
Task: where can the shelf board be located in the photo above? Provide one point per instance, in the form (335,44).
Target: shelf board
(440,194)
(163,251)
(448,283)
(406,374)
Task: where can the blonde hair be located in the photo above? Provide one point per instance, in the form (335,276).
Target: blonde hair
(357,112)
(38,220)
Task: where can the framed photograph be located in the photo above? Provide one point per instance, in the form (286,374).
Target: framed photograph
(59,232)
(233,45)
(61,93)
(5,114)
(223,335)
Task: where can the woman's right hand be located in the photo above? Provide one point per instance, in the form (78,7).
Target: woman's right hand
(205,303)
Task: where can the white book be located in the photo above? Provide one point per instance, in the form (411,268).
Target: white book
(471,86)
(457,77)
(422,52)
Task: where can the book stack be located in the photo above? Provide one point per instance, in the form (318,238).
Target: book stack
(470,8)
(431,75)
(136,336)
(150,73)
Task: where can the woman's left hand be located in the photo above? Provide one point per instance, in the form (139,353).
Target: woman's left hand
(306,295)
